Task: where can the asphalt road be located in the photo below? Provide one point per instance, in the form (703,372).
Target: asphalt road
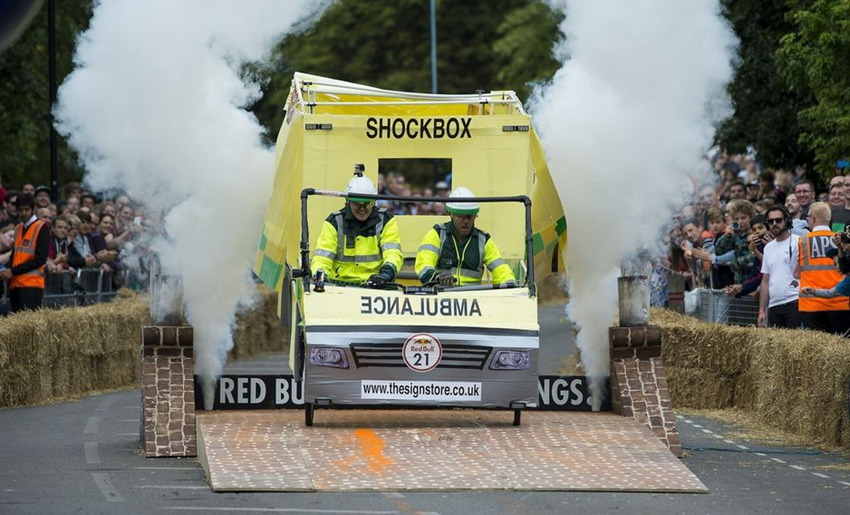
(85,457)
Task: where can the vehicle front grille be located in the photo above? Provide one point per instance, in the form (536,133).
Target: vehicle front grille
(389,355)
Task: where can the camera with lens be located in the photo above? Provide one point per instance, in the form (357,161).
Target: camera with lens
(845,238)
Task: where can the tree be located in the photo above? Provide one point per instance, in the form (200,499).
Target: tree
(480,45)
(765,105)
(524,48)
(816,56)
(25,96)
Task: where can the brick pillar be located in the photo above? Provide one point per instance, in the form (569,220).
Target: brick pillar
(639,382)
(168,391)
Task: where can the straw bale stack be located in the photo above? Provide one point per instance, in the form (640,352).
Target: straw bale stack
(722,349)
(552,289)
(54,354)
(791,379)
(705,390)
(258,329)
(49,355)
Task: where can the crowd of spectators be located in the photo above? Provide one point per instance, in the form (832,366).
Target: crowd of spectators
(86,230)
(110,232)
(396,184)
(719,230)
(716,241)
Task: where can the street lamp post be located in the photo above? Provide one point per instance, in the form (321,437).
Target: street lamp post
(433,47)
(51,30)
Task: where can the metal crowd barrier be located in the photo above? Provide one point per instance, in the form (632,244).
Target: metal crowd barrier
(59,290)
(74,288)
(716,306)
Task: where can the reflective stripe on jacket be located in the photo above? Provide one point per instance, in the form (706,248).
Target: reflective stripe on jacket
(818,270)
(440,251)
(25,241)
(350,250)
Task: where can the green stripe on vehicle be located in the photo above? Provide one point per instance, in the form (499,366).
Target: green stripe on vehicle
(536,244)
(270,272)
(561,225)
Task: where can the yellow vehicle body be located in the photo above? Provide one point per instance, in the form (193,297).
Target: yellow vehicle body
(331,125)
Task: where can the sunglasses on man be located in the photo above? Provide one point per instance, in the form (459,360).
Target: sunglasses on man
(771,221)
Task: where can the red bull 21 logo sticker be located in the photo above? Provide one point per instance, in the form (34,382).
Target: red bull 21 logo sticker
(422,352)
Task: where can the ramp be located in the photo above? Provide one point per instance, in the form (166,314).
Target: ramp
(404,450)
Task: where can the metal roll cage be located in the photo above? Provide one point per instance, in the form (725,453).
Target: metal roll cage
(304,271)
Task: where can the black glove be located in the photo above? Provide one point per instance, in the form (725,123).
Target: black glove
(379,280)
(443,278)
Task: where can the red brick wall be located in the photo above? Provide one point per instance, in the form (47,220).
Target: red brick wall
(639,382)
(168,391)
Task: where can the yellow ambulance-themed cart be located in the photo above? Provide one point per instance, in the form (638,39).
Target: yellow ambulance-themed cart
(405,343)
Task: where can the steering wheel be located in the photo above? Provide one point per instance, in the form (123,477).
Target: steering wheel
(437,286)
(385,286)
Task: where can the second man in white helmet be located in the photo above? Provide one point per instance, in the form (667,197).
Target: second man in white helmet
(456,252)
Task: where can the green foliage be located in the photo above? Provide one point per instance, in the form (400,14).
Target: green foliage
(817,56)
(524,47)
(25,96)
(791,90)
(766,106)
(480,45)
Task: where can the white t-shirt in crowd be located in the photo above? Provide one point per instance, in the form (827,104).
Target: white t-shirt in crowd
(780,259)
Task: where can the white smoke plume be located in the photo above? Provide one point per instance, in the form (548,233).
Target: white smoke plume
(155,107)
(630,111)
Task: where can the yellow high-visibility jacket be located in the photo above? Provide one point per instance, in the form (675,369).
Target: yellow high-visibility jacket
(351,250)
(440,251)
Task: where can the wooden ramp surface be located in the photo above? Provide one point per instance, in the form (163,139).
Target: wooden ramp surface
(395,450)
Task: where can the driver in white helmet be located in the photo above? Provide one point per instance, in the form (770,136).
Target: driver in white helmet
(456,252)
(359,243)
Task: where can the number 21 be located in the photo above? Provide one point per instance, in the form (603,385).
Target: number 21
(418,362)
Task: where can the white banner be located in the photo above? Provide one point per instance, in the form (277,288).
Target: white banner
(456,391)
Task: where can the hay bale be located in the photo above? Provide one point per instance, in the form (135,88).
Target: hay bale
(552,289)
(746,396)
(791,379)
(277,336)
(258,330)
(691,343)
(54,354)
(50,354)
(697,388)
(803,386)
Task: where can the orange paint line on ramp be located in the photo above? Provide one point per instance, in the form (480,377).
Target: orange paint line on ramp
(373,447)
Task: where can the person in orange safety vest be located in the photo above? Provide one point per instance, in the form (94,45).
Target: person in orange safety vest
(29,255)
(818,270)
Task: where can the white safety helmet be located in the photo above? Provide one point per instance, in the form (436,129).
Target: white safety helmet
(360,184)
(462,208)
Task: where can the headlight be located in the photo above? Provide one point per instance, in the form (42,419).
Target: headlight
(328,357)
(510,360)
